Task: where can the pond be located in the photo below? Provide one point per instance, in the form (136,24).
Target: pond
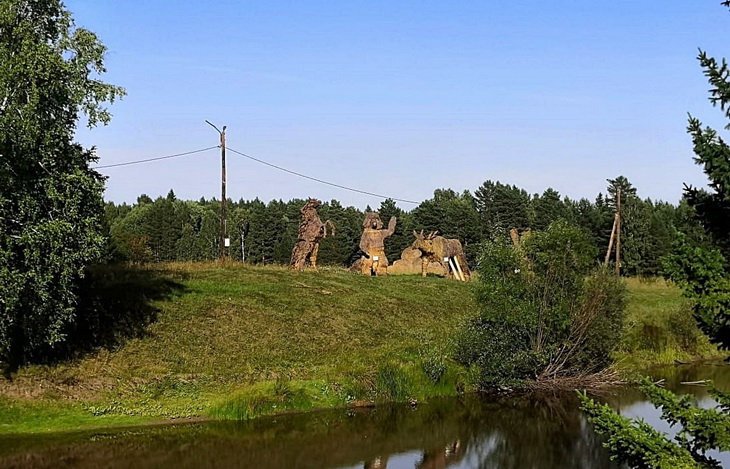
(467,432)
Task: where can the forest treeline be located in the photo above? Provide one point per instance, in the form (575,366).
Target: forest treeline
(170,229)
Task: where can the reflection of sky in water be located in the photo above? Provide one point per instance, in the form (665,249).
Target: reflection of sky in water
(674,377)
(407,460)
(473,458)
(649,414)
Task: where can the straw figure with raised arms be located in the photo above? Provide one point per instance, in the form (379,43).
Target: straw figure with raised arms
(372,244)
(311,230)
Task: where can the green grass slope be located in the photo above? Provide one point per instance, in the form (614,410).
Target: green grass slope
(237,341)
(659,328)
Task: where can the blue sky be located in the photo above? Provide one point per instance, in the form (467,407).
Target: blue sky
(400,98)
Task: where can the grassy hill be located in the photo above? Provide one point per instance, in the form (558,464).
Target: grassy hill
(235,341)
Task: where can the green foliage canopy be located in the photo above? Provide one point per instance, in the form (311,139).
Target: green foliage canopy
(541,314)
(51,203)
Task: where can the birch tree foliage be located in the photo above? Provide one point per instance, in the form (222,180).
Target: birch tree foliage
(51,206)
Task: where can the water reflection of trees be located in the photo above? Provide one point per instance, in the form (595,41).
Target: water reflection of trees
(535,432)
(523,432)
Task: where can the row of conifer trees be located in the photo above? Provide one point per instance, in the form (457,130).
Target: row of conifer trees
(170,229)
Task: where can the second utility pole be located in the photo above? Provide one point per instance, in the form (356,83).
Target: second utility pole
(618,231)
(224,224)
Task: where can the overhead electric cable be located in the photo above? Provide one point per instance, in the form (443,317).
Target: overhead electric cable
(155,159)
(320,180)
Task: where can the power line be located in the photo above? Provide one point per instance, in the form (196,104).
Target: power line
(320,180)
(155,159)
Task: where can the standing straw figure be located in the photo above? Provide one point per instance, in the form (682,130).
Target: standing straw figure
(311,230)
(372,243)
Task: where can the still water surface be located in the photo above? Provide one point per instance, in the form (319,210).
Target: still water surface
(470,432)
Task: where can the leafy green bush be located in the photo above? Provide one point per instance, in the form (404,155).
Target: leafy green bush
(683,329)
(601,313)
(544,312)
(496,353)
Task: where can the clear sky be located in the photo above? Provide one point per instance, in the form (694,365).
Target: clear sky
(403,97)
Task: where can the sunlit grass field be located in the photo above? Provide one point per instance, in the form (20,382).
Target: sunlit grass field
(237,341)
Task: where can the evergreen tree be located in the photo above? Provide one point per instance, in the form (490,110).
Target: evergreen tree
(199,237)
(595,219)
(685,220)
(164,227)
(144,199)
(713,208)
(343,248)
(620,183)
(350,231)
(711,296)
(276,244)
(502,207)
(463,224)
(637,444)
(662,228)
(636,236)
(546,209)
(280,235)
(430,215)
(255,252)
(453,216)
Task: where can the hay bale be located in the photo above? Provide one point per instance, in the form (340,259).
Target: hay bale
(410,264)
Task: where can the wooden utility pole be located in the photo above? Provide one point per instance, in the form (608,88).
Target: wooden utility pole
(618,231)
(224,221)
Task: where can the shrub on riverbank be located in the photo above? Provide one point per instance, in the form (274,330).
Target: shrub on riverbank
(544,313)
